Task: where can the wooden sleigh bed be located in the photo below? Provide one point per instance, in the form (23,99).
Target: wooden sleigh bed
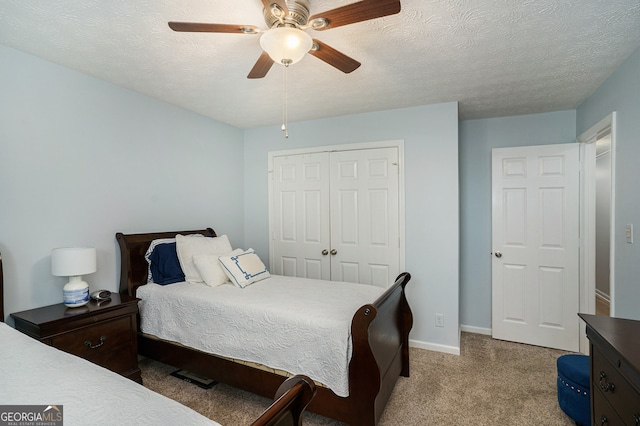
(380,342)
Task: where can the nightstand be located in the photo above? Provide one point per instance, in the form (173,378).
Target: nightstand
(104,333)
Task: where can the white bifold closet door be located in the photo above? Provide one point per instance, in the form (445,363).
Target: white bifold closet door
(335,216)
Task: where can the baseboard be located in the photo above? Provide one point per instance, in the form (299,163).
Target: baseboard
(477,330)
(454,350)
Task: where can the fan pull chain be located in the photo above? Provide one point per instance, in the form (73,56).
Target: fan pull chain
(284,102)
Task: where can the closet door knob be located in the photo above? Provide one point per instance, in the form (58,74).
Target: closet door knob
(334,252)
(325,252)
(498,254)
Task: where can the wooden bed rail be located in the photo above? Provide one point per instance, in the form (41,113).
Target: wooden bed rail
(292,397)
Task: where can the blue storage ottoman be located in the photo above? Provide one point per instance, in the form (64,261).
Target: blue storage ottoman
(574,391)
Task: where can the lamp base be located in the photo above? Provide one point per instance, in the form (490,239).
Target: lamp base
(75,293)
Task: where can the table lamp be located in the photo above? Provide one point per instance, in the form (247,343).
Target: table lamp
(73,262)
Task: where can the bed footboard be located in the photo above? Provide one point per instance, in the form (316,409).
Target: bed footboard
(380,337)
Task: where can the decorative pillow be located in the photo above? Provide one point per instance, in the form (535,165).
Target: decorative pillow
(165,267)
(147,255)
(153,245)
(189,247)
(244,268)
(210,268)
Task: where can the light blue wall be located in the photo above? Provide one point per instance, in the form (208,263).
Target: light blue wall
(430,135)
(621,93)
(81,159)
(477,138)
(76,156)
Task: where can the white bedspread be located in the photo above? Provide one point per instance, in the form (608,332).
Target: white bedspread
(36,374)
(293,324)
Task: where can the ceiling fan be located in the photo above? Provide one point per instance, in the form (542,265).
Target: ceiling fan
(285,40)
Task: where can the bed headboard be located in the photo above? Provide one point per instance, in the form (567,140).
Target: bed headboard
(133,266)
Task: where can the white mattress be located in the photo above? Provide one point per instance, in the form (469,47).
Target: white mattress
(36,374)
(293,324)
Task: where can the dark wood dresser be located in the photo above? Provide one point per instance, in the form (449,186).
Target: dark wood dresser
(615,370)
(104,333)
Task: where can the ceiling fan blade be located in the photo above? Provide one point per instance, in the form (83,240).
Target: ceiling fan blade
(357,12)
(262,67)
(333,57)
(195,27)
(280,3)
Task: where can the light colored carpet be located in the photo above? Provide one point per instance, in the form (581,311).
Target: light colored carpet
(490,383)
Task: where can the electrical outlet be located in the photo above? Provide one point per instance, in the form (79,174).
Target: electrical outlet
(439,320)
(628,233)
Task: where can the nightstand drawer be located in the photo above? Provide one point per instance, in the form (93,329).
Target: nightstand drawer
(613,387)
(90,342)
(120,361)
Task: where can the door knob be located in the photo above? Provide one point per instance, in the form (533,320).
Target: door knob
(334,252)
(325,252)
(498,254)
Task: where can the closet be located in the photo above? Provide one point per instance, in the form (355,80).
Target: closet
(335,215)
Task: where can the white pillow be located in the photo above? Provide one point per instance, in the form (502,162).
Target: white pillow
(244,268)
(210,268)
(189,247)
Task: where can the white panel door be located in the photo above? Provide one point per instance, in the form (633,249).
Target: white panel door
(365,238)
(535,233)
(335,216)
(300,204)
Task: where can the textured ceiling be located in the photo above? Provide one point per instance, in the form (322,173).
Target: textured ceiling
(496,57)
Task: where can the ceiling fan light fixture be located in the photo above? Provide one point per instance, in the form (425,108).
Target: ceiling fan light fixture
(286,45)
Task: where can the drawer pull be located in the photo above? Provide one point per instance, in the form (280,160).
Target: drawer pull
(603,420)
(604,384)
(88,343)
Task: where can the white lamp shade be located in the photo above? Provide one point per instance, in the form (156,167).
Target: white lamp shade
(286,44)
(73,261)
